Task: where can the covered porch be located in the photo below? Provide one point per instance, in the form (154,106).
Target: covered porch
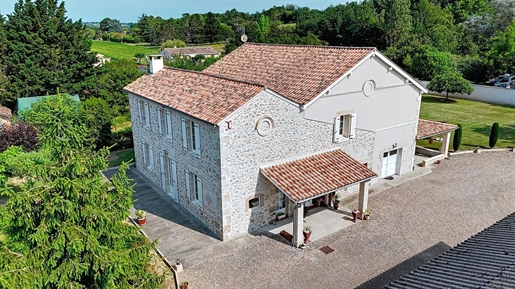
(438,131)
(318,176)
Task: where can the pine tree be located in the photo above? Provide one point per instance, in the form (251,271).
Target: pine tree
(494,135)
(67,226)
(456,141)
(46,51)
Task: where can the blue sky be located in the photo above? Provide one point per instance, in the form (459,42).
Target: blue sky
(130,10)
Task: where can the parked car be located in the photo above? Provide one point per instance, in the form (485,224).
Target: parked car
(505,82)
(500,78)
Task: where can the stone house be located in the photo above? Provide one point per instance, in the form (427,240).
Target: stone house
(189,52)
(273,129)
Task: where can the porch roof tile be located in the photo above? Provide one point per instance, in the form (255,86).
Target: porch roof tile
(428,128)
(316,175)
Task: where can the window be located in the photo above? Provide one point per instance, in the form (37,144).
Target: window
(160,119)
(280,200)
(164,123)
(168,125)
(144,113)
(194,188)
(191,136)
(254,203)
(344,127)
(148,156)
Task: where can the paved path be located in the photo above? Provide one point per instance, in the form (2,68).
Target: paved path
(411,224)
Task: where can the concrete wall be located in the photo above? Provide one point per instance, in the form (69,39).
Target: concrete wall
(245,150)
(390,110)
(207,167)
(484,93)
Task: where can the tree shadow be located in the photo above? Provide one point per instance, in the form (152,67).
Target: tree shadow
(401,269)
(437,99)
(506,132)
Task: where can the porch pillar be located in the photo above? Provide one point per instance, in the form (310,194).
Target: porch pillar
(363,196)
(445,144)
(298,220)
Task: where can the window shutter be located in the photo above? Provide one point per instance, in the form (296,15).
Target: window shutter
(163,171)
(151,157)
(184,137)
(199,187)
(187,175)
(168,125)
(140,112)
(174,175)
(147,115)
(337,137)
(352,125)
(159,122)
(196,135)
(143,145)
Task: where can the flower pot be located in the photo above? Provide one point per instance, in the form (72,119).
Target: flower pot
(355,215)
(142,221)
(366,216)
(306,234)
(336,207)
(280,217)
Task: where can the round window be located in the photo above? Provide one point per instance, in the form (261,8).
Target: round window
(368,87)
(265,125)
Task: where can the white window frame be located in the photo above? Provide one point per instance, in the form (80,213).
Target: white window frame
(194,188)
(148,156)
(344,127)
(195,138)
(168,117)
(140,112)
(146,115)
(191,136)
(184,134)
(159,121)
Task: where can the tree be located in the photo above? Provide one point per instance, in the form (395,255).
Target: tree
(46,51)
(428,62)
(173,44)
(212,28)
(110,25)
(67,226)
(397,21)
(139,55)
(264,27)
(456,140)
(502,52)
(18,134)
(494,135)
(450,82)
(98,121)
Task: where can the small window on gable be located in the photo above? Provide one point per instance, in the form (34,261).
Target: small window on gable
(344,127)
(254,203)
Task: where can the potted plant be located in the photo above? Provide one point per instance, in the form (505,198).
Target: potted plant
(307,233)
(280,215)
(141,219)
(366,214)
(336,202)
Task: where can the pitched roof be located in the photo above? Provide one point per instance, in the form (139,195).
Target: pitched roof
(298,72)
(24,103)
(207,97)
(428,128)
(207,50)
(486,260)
(318,174)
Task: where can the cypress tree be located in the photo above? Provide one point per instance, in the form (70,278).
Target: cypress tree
(494,135)
(46,51)
(456,141)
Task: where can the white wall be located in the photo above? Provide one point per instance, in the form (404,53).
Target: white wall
(484,93)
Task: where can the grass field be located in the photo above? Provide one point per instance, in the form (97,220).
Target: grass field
(122,156)
(121,50)
(476,118)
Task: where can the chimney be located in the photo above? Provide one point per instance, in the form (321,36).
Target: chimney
(156,63)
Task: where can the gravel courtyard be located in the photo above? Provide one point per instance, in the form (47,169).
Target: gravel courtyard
(410,225)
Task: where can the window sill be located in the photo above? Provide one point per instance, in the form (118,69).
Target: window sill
(197,203)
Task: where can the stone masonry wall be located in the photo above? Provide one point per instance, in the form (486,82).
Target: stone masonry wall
(207,167)
(266,130)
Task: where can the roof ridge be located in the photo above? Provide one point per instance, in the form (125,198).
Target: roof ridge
(217,76)
(314,46)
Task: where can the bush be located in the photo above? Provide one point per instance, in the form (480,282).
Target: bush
(173,43)
(128,39)
(18,134)
(494,135)
(456,141)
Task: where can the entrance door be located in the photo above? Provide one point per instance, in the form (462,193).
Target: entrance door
(389,163)
(172,180)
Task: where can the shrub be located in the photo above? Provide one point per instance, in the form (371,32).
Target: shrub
(456,141)
(173,43)
(18,134)
(494,135)
(128,39)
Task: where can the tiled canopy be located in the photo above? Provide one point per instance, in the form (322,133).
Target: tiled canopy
(428,128)
(316,175)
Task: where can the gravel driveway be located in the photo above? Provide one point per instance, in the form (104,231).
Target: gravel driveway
(410,225)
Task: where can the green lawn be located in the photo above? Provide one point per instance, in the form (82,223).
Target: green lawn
(476,118)
(123,156)
(121,50)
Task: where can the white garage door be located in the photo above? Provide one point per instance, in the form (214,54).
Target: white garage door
(389,163)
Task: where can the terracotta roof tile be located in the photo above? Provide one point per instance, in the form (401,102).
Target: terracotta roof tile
(298,72)
(428,128)
(207,50)
(206,97)
(318,174)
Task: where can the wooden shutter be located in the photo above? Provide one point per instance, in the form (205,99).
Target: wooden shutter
(168,125)
(184,135)
(199,187)
(196,135)
(159,122)
(187,176)
(351,126)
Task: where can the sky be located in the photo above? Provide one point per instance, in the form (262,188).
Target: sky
(131,10)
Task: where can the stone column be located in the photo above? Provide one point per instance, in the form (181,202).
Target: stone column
(363,197)
(445,144)
(298,221)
